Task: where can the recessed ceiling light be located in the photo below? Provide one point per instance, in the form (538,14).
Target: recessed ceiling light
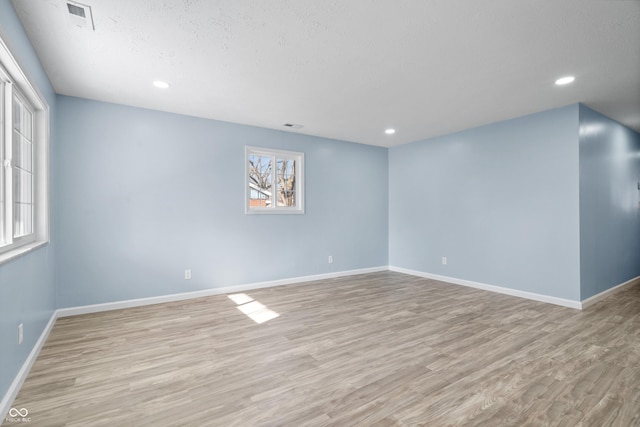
(390,131)
(160,84)
(565,80)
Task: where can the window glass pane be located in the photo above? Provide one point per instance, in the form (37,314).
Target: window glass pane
(260,181)
(22,203)
(26,127)
(17,117)
(22,119)
(22,186)
(286,181)
(22,219)
(25,160)
(22,150)
(16,147)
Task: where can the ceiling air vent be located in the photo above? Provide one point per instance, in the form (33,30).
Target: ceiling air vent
(80,15)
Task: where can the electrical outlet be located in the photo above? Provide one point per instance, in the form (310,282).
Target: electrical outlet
(330,259)
(444,260)
(187,275)
(20,333)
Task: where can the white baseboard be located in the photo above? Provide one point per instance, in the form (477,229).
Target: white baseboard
(499,289)
(602,295)
(14,388)
(94,308)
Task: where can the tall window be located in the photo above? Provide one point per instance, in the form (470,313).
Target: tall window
(274,181)
(22,165)
(23,161)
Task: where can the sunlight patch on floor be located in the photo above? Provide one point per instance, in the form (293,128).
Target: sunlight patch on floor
(256,311)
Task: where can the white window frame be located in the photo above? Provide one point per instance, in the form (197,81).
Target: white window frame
(299,180)
(13,79)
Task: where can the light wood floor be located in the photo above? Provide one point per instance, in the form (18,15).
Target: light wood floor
(382,349)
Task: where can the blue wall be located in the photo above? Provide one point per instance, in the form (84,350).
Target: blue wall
(26,283)
(609,203)
(144,195)
(499,201)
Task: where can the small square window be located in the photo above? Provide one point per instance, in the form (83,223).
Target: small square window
(274,181)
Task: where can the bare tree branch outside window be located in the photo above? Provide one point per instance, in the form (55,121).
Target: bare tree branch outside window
(286,183)
(260,168)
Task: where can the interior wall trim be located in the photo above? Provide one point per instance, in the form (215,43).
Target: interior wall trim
(608,292)
(493,288)
(116,305)
(14,388)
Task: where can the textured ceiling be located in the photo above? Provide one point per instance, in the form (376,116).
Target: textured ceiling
(347,69)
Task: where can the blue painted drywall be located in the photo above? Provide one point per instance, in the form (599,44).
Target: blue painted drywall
(609,203)
(499,201)
(26,283)
(144,195)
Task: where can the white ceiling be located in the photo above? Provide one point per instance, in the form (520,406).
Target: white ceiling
(347,69)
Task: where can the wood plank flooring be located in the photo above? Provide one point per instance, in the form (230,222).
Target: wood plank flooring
(382,349)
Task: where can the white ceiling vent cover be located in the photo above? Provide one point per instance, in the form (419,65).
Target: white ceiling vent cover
(80,15)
